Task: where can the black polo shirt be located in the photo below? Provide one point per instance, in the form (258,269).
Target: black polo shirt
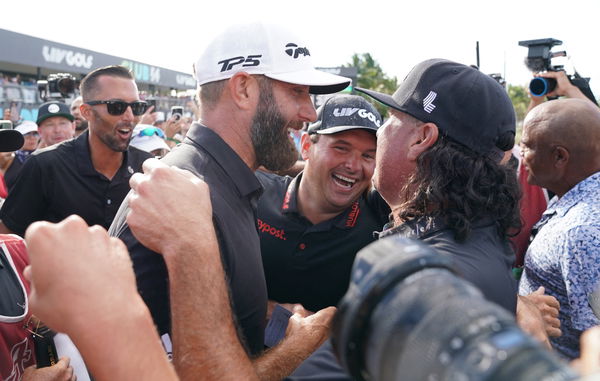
(60,180)
(234,191)
(306,263)
(484,259)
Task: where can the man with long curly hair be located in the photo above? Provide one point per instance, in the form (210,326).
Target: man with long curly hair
(438,167)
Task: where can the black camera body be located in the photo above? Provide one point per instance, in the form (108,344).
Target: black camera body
(57,86)
(407,316)
(539,59)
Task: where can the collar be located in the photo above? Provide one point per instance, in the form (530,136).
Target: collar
(422,227)
(416,229)
(585,189)
(345,220)
(242,176)
(81,147)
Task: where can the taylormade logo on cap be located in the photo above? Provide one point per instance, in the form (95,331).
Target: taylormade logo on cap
(265,49)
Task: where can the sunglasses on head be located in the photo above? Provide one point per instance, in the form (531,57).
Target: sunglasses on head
(119,107)
(152,131)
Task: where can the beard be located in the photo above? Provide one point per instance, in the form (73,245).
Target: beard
(273,147)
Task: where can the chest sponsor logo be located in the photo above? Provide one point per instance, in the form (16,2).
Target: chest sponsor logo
(353,216)
(263,227)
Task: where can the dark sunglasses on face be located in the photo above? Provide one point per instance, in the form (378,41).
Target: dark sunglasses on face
(119,107)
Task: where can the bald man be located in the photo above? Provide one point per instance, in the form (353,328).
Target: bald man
(561,152)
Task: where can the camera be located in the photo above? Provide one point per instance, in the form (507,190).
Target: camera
(177,110)
(152,102)
(57,86)
(539,58)
(408,316)
(6,124)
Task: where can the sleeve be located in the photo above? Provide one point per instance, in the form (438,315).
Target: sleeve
(25,203)
(580,266)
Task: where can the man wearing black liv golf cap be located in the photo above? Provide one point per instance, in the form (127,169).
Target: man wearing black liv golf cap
(438,167)
(312,226)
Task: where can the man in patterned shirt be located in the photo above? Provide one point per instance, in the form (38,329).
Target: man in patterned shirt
(561,152)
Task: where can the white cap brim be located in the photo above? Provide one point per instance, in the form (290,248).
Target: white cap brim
(149,143)
(320,82)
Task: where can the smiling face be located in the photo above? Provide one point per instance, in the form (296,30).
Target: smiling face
(55,129)
(282,107)
(114,131)
(339,167)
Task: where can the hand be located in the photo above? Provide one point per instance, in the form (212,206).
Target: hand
(563,86)
(78,275)
(549,308)
(61,371)
(589,360)
(292,307)
(172,125)
(530,320)
(149,117)
(171,221)
(311,330)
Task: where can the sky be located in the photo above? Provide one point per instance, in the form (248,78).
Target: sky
(398,34)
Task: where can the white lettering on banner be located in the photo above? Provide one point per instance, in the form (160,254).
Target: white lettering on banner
(71,58)
(185,80)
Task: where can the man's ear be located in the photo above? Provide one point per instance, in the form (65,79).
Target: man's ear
(305,144)
(560,157)
(86,111)
(244,90)
(423,137)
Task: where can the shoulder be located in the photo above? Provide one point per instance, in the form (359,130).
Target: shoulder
(136,157)
(271,180)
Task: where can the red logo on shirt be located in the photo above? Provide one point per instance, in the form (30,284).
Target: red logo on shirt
(353,216)
(263,227)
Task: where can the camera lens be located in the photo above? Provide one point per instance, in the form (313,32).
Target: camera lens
(65,85)
(541,86)
(408,316)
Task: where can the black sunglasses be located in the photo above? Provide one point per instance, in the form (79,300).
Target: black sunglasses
(119,107)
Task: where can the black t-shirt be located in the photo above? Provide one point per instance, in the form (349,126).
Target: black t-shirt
(306,263)
(234,191)
(60,180)
(484,259)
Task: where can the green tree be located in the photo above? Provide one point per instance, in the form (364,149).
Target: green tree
(371,76)
(520,100)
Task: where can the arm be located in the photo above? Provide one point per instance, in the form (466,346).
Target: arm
(205,342)
(103,314)
(57,372)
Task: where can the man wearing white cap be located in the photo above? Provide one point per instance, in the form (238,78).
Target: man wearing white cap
(150,139)
(255,82)
(29,130)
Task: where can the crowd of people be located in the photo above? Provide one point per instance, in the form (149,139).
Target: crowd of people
(210,264)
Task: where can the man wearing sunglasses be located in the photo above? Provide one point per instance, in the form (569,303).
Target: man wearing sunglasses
(89,175)
(255,82)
